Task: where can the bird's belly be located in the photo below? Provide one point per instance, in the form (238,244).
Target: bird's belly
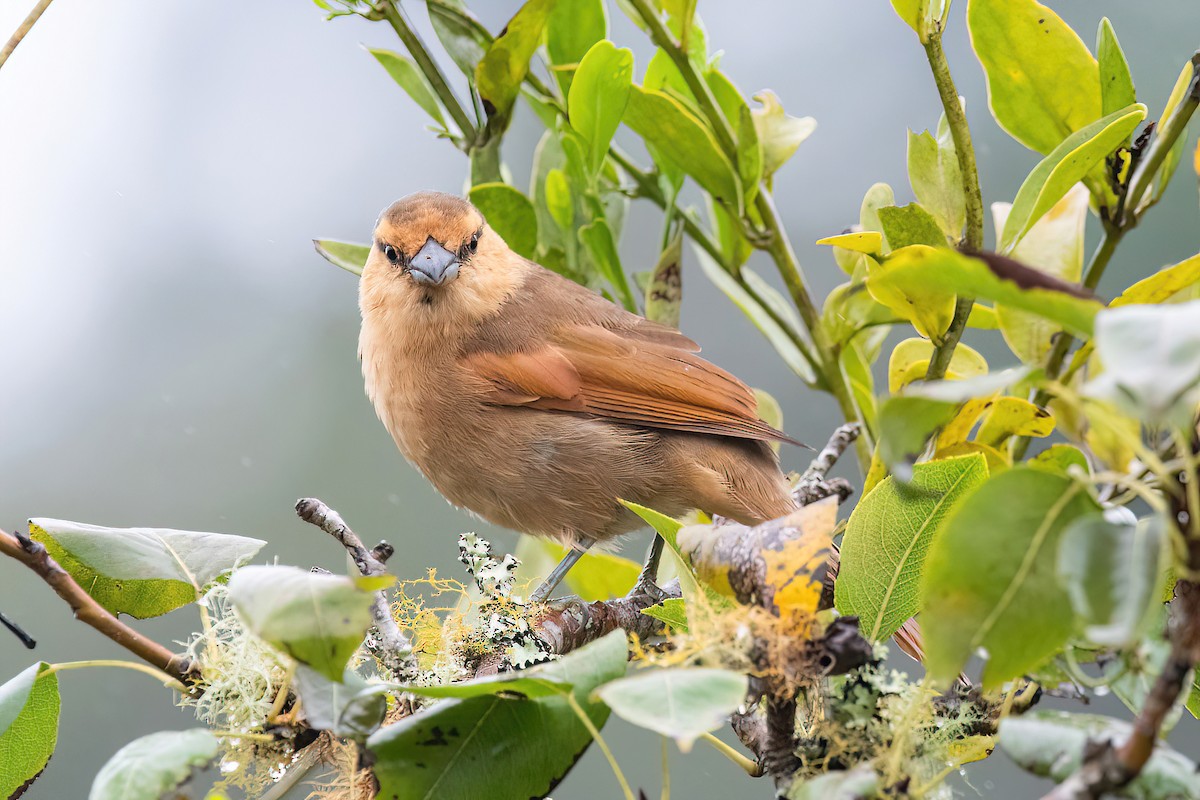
(545,473)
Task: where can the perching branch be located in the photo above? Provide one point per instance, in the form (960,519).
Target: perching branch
(23,29)
(570,624)
(394,649)
(33,555)
(956,118)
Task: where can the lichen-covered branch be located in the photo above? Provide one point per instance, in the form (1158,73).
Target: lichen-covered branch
(393,649)
(33,555)
(569,624)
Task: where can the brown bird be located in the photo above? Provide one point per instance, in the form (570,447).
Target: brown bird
(536,403)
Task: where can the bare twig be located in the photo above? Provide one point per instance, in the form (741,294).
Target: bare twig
(394,649)
(33,555)
(18,631)
(24,28)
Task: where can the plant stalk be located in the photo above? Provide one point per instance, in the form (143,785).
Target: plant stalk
(24,28)
(416,48)
(972,240)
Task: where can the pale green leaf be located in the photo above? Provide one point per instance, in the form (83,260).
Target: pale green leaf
(153,766)
(936,181)
(1052,744)
(317,619)
(143,572)
(910,224)
(680,702)
(571,30)
(672,611)
(905,425)
(1008,601)
(1065,166)
(29,707)
(405,73)
(347,255)
(888,536)
(463,36)
(346,707)
(780,135)
(1054,245)
(1151,358)
(597,238)
(1114,572)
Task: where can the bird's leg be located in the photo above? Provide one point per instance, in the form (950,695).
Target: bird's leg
(647,580)
(555,577)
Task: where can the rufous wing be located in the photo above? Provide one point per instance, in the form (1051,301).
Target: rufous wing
(624,376)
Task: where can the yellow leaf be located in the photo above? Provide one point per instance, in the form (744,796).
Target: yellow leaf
(1014,416)
(959,429)
(910,360)
(913,298)
(869,242)
(996,461)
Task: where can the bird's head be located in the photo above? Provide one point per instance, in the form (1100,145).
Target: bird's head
(433,249)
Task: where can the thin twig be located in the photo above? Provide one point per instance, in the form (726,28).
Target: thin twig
(18,631)
(395,649)
(956,118)
(33,555)
(23,29)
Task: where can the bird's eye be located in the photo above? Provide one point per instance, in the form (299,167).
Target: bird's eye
(474,245)
(391,253)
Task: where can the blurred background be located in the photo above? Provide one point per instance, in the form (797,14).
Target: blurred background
(175,354)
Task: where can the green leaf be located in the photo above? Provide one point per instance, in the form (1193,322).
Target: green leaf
(775,333)
(672,611)
(411,80)
(599,94)
(143,572)
(888,536)
(1151,358)
(453,749)
(317,619)
(597,237)
(848,784)
(463,36)
(504,66)
(1113,571)
(780,135)
(1054,246)
(1043,84)
(510,214)
(153,766)
(905,425)
(559,201)
(682,138)
(347,255)
(1060,458)
(1162,285)
(1052,744)
(918,269)
(1066,165)
(29,706)
(526,684)
(664,293)
(910,224)
(935,178)
(1116,84)
(680,702)
(347,707)
(1009,601)
(571,30)
(596,576)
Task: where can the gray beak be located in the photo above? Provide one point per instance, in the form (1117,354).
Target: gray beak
(433,265)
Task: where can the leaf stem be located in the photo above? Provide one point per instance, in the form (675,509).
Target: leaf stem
(282,695)
(23,29)
(416,48)
(956,118)
(157,674)
(595,732)
(752,767)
